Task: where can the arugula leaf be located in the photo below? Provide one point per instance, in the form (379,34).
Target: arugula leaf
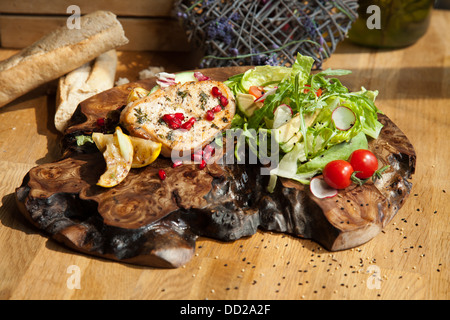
(234,83)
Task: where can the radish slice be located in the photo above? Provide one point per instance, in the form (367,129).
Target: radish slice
(268,92)
(164,79)
(282,114)
(321,189)
(165,75)
(343,118)
(200,76)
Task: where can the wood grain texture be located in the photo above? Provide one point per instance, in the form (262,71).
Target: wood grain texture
(148,8)
(144,33)
(411,257)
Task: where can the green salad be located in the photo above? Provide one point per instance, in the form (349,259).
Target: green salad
(312,117)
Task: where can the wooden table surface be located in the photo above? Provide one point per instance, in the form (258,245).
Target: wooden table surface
(408,260)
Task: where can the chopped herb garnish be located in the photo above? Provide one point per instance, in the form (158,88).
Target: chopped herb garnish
(182,94)
(203,100)
(141,116)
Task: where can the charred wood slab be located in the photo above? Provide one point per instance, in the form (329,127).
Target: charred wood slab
(156,223)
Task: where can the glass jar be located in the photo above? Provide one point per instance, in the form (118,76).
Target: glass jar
(390,23)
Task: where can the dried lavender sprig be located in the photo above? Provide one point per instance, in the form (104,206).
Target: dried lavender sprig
(249,55)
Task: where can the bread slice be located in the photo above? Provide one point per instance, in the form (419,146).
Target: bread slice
(144,118)
(58,53)
(82,83)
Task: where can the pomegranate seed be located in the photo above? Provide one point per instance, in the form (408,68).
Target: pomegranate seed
(216,92)
(223,101)
(169,117)
(101,122)
(179,116)
(217,109)
(202,165)
(175,124)
(197,158)
(207,156)
(208,152)
(208,149)
(177,163)
(172,121)
(198,151)
(209,115)
(188,124)
(162,174)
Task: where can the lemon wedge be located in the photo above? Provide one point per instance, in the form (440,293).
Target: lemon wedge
(136,94)
(123,152)
(118,155)
(125,145)
(144,151)
(101,140)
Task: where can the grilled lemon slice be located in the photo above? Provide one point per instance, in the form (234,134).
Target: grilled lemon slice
(121,153)
(118,154)
(144,151)
(101,140)
(136,94)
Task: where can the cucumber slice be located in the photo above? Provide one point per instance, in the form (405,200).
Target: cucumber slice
(184,77)
(246,104)
(289,134)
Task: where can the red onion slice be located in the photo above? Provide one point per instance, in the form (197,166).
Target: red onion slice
(200,76)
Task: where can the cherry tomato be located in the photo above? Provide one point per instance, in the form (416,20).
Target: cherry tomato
(318,92)
(255,91)
(364,162)
(338,174)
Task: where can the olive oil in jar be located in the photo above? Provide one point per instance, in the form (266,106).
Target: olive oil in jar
(390,23)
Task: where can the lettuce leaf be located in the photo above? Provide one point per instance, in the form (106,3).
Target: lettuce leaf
(341,151)
(292,166)
(263,76)
(301,69)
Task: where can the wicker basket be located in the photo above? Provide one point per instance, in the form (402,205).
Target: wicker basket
(264,32)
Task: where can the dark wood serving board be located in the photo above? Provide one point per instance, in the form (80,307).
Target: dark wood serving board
(156,223)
